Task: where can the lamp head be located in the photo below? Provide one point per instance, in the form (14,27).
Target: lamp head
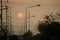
(38,5)
(33,16)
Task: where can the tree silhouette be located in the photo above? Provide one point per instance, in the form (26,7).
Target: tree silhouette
(28,35)
(49,30)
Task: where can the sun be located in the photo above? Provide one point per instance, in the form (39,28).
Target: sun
(20,15)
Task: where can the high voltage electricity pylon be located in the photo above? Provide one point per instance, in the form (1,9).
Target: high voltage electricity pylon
(6,25)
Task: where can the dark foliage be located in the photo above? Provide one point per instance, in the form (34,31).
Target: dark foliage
(37,37)
(13,37)
(28,35)
(50,31)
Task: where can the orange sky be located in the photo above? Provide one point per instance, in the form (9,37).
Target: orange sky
(39,12)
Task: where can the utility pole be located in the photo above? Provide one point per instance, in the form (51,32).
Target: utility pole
(1,15)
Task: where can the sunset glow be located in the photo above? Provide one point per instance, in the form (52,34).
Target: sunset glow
(20,15)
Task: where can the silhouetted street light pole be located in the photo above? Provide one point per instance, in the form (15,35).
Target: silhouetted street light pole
(29,17)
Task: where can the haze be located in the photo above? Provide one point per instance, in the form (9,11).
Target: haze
(19,6)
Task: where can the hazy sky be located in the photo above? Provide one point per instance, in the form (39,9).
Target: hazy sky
(19,6)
